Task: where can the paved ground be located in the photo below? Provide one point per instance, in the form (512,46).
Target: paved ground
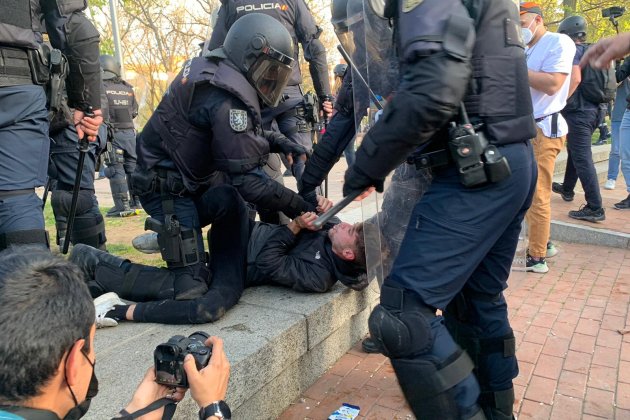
(573,344)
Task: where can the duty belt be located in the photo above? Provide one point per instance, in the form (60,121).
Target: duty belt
(14,67)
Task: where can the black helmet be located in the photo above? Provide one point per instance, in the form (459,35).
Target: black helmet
(340,70)
(339,15)
(574,26)
(111,68)
(262,48)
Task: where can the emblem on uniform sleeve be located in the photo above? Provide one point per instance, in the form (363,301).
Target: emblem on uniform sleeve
(409,5)
(238,120)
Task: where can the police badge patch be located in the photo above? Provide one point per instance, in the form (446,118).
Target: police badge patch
(409,5)
(238,120)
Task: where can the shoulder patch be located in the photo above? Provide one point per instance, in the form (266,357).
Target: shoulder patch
(238,120)
(409,5)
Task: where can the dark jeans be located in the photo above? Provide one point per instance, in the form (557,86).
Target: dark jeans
(582,125)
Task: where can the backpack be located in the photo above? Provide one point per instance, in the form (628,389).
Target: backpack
(598,86)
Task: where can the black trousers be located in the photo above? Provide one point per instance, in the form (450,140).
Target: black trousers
(224,208)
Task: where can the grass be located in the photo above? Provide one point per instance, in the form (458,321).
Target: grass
(114,228)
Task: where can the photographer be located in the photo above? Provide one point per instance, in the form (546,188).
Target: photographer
(47,353)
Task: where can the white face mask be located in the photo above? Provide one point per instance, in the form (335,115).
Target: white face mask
(527,34)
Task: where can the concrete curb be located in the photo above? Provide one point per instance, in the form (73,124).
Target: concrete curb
(569,232)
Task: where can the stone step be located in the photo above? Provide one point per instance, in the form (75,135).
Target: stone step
(278,343)
(600,154)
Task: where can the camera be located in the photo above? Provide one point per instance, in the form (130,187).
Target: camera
(169,358)
(613,12)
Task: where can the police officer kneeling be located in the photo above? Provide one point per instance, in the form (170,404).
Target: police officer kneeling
(462,235)
(208,121)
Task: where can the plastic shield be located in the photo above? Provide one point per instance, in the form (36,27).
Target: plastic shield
(374,78)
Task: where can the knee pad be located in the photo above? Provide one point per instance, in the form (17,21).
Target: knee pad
(61,201)
(400,334)
(89,229)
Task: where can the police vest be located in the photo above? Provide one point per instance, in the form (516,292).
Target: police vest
(188,146)
(19,19)
(282,10)
(120,99)
(498,96)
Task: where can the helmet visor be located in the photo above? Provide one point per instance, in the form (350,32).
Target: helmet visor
(270,75)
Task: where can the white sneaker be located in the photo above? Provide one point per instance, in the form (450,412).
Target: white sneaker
(609,184)
(103,304)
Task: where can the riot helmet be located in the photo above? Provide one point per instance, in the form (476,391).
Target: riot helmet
(574,26)
(262,48)
(340,70)
(110,66)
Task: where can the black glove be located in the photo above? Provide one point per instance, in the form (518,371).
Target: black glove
(278,143)
(309,196)
(355,181)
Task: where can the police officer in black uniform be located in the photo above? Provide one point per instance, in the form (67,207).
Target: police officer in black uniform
(208,122)
(89,226)
(297,18)
(121,152)
(463,91)
(24,142)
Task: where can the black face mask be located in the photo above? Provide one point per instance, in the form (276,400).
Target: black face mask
(79,410)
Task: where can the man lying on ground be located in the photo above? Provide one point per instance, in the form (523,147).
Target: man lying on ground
(243,253)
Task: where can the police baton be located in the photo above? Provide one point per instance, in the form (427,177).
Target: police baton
(348,60)
(49,182)
(83,149)
(322,219)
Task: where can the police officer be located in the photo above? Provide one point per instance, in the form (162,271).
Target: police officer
(24,142)
(89,226)
(297,18)
(463,232)
(120,158)
(207,123)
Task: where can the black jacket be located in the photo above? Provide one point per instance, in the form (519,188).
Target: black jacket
(303,262)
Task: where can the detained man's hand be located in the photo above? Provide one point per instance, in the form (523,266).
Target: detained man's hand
(323,204)
(305,221)
(150,391)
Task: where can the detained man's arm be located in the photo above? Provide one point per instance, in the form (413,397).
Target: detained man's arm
(549,83)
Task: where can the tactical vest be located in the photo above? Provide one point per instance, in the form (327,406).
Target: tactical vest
(120,99)
(188,146)
(498,96)
(67,7)
(19,19)
(282,10)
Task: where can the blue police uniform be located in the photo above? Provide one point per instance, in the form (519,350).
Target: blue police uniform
(297,18)
(460,241)
(121,160)
(24,143)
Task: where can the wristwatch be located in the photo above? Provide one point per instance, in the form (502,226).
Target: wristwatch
(218,409)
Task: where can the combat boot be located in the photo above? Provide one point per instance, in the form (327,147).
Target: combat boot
(121,207)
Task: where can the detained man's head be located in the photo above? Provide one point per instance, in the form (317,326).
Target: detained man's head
(348,243)
(47,330)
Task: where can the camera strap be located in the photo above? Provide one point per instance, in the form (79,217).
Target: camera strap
(168,404)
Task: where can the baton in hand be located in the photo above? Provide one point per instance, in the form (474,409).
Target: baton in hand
(83,149)
(322,219)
